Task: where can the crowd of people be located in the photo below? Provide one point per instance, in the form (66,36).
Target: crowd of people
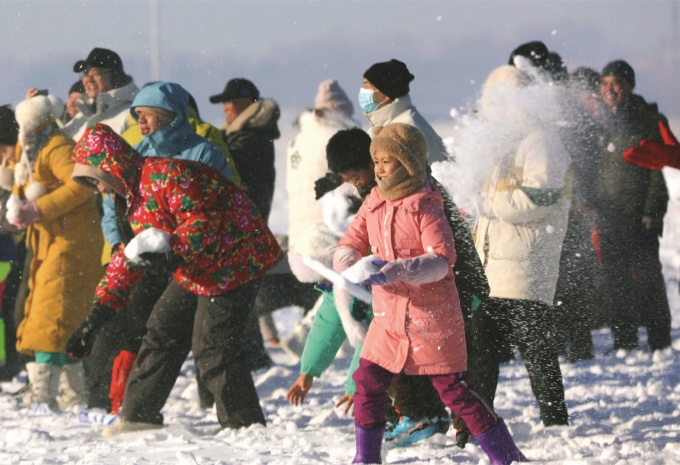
(133,233)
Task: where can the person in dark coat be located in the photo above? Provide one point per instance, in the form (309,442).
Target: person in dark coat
(189,219)
(632,205)
(250,130)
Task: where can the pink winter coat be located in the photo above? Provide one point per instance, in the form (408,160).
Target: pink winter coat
(418,324)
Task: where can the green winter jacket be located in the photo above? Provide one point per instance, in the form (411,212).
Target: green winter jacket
(324,341)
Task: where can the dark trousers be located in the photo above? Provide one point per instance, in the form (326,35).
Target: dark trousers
(211,327)
(634,289)
(529,326)
(577,289)
(455,391)
(124,332)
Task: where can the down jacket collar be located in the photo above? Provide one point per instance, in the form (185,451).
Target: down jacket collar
(107,101)
(263,115)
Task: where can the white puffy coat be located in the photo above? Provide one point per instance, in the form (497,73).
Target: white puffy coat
(306,162)
(519,239)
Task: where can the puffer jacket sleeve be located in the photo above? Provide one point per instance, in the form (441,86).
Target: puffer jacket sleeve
(354,243)
(109,222)
(69,195)
(115,290)
(324,339)
(544,161)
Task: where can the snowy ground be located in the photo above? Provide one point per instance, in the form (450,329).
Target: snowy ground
(624,408)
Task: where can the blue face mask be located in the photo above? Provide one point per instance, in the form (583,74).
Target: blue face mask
(366,100)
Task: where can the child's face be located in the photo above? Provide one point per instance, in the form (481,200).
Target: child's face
(358,178)
(385,164)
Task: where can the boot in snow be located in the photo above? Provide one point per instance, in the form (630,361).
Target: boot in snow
(72,387)
(369,444)
(44,385)
(409,430)
(499,446)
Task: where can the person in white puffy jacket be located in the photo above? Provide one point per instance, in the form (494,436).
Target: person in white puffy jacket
(306,162)
(519,235)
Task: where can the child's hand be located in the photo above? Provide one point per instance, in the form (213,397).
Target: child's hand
(347,399)
(298,391)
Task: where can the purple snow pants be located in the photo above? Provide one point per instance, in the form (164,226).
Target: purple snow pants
(455,391)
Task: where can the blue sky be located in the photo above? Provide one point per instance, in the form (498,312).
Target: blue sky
(288,47)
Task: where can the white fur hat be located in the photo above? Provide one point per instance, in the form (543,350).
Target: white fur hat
(501,82)
(31,114)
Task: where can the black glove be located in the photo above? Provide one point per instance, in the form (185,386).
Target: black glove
(81,341)
(328,183)
(162,262)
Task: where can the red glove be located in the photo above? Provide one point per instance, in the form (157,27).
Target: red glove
(122,365)
(668,137)
(653,155)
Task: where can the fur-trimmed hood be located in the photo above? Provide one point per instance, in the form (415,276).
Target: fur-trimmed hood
(263,114)
(35,113)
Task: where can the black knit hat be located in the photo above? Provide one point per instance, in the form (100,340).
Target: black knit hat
(390,77)
(536,51)
(621,70)
(9,129)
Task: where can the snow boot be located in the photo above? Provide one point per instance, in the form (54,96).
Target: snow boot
(44,384)
(121,426)
(408,431)
(72,388)
(499,446)
(368,444)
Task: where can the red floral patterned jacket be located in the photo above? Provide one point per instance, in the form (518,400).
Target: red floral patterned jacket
(214,227)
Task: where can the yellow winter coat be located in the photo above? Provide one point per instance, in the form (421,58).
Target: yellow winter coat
(67,245)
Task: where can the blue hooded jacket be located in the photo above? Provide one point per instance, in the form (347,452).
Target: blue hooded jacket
(176,140)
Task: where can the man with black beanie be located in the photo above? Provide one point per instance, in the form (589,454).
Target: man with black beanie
(385,99)
(631,207)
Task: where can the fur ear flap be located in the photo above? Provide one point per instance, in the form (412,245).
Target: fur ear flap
(34,191)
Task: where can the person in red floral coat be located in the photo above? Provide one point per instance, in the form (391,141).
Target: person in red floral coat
(186,217)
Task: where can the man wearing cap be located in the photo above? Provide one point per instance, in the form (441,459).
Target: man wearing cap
(631,207)
(249,131)
(109,93)
(385,99)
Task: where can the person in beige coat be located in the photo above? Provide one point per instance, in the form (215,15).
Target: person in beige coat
(519,235)
(62,224)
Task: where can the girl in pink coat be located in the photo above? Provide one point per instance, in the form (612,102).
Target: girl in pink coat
(418,325)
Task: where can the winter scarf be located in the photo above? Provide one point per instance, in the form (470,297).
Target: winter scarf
(408,145)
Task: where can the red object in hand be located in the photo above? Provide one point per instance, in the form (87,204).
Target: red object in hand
(668,137)
(653,155)
(122,365)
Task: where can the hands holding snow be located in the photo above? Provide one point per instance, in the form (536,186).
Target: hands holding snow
(367,272)
(150,240)
(21,213)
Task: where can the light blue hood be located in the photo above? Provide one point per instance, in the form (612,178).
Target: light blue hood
(178,139)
